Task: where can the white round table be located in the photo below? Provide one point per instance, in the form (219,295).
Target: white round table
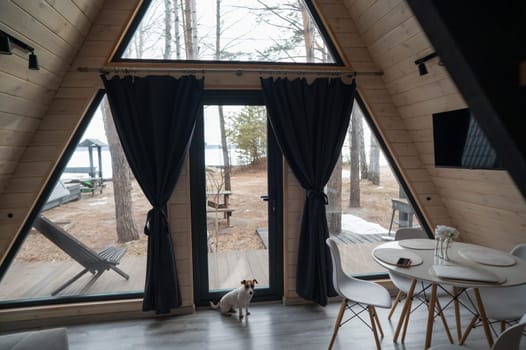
(496,269)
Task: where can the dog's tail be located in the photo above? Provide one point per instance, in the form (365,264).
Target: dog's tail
(214,306)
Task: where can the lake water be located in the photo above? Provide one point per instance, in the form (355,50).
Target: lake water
(80,158)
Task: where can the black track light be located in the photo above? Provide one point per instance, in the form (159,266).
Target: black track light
(5,48)
(5,44)
(33,61)
(422,69)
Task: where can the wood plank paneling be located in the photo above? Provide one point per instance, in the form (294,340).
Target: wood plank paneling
(21,106)
(16,65)
(14,122)
(56,29)
(54,20)
(479,202)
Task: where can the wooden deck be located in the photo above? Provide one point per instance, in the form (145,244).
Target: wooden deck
(227,269)
(28,280)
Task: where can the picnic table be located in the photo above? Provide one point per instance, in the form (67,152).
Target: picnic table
(219,202)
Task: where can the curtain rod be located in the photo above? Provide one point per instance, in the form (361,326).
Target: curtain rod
(238,72)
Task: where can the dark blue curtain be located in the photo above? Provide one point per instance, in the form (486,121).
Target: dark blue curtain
(155,118)
(310,122)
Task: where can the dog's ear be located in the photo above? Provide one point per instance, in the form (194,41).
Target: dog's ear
(243,282)
(255,281)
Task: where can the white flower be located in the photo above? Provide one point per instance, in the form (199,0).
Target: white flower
(442,232)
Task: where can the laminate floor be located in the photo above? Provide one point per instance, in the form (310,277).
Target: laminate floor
(270,326)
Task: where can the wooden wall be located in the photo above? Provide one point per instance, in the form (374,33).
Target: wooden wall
(36,116)
(484,205)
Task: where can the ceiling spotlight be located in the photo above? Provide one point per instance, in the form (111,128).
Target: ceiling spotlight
(5,48)
(5,44)
(33,61)
(422,69)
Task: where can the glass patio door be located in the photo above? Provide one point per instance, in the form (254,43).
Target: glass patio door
(236,198)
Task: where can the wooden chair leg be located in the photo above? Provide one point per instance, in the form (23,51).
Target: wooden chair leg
(406,319)
(405,310)
(483,317)
(373,325)
(430,316)
(502,326)
(378,321)
(395,304)
(444,322)
(338,321)
(456,293)
(468,329)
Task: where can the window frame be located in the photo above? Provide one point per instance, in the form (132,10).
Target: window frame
(41,201)
(123,43)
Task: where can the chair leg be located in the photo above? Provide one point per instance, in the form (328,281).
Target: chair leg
(373,325)
(502,326)
(446,327)
(406,320)
(338,321)
(468,330)
(120,272)
(70,281)
(378,321)
(395,304)
(405,310)
(456,293)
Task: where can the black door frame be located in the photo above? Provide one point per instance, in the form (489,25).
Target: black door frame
(198,202)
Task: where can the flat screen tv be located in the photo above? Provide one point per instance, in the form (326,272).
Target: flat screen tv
(459,142)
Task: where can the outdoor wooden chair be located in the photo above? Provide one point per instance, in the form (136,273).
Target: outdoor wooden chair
(93,262)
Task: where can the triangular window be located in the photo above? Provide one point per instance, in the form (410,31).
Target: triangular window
(263,31)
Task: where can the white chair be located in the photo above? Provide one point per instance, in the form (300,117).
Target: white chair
(404,283)
(358,296)
(510,339)
(505,304)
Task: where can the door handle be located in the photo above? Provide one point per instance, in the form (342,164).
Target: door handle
(271,201)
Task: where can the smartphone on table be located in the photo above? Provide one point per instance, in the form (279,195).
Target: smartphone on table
(403,262)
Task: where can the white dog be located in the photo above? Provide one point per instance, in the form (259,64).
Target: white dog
(237,298)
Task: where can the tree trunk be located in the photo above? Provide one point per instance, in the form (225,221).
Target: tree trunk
(122,188)
(188,29)
(177,32)
(374,163)
(363,159)
(193,17)
(307,33)
(139,41)
(218,30)
(224,144)
(354,201)
(224,147)
(334,194)
(168,12)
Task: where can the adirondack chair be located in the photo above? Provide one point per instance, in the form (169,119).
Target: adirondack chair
(96,263)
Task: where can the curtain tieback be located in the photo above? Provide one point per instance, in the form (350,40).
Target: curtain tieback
(318,194)
(149,218)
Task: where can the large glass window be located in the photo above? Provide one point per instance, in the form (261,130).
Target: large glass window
(229,31)
(87,239)
(367,204)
